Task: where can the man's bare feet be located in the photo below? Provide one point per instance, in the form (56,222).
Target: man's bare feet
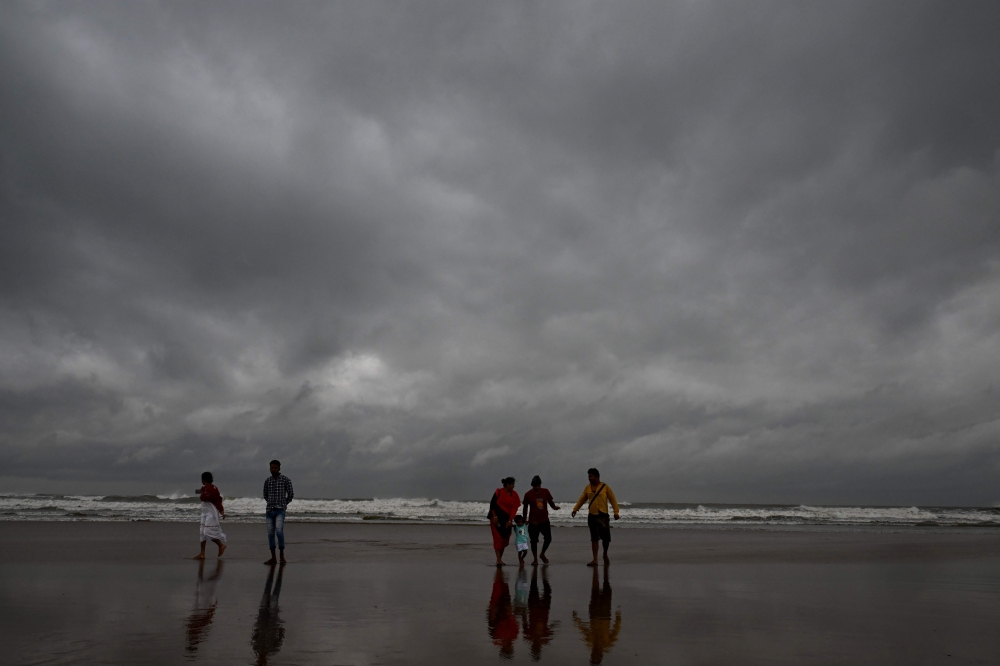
(282,560)
(544,559)
(592,564)
(534,563)
(222,549)
(199,556)
(271,561)
(607,560)
(501,563)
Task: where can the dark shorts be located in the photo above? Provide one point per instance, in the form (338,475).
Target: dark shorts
(545,529)
(600,527)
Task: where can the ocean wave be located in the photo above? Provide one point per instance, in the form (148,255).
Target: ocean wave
(179,507)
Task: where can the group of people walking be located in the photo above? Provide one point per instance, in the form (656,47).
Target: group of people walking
(278,493)
(528,519)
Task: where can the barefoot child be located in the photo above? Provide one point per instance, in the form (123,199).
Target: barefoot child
(521,538)
(211,512)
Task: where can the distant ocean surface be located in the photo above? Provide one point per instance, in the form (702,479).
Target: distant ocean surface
(246,509)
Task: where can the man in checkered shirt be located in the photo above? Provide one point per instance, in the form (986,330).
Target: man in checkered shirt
(278,493)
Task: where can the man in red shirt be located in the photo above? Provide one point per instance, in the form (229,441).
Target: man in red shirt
(536,509)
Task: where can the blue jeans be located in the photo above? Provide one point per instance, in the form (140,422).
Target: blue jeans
(276,525)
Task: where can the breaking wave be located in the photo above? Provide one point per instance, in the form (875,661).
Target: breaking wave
(178,507)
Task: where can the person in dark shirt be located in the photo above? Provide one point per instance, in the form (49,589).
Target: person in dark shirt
(536,509)
(278,493)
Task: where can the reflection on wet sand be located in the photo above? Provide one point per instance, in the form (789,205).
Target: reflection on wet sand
(205,602)
(535,623)
(598,634)
(268,632)
(500,620)
(521,594)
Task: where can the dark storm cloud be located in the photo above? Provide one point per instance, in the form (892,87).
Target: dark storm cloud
(724,252)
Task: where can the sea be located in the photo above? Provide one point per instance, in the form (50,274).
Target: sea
(187,508)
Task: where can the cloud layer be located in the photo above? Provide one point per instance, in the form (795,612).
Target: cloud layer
(723,252)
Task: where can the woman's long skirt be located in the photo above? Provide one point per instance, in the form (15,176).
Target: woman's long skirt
(210,527)
(499,540)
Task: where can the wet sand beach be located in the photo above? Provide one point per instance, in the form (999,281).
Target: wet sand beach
(93,592)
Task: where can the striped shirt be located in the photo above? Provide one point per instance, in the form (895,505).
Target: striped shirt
(278,492)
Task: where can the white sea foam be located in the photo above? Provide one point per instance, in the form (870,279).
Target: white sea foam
(178,507)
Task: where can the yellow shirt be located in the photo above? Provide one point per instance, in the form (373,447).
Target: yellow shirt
(598,504)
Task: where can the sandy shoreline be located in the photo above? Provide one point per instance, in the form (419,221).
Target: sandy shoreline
(112,593)
(335,542)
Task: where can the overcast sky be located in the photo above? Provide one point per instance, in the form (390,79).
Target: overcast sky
(725,252)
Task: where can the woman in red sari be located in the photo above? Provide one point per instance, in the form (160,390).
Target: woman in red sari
(503,507)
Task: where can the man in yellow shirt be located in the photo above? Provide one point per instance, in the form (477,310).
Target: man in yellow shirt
(598,495)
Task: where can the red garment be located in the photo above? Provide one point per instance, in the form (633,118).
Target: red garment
(500,618)
(499,540)
(509,503)
(538,502)
(209,493)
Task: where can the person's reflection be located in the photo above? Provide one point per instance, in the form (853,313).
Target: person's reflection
(537,630)
(521,594)
(598,634)
(500,620)
(268,633)
(205,602)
